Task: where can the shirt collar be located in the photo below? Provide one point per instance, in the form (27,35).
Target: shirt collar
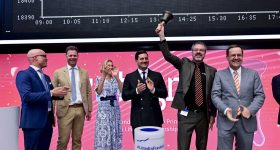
(140,71)
(35,68)
(69,67)
(238,71)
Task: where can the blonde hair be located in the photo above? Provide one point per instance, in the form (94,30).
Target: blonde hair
(104,64)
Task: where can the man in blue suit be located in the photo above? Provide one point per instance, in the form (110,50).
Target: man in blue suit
(36,93)
(238,95)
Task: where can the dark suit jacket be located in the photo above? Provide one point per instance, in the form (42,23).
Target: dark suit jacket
(145,108)
(186,69)
(34,99)
(276,91)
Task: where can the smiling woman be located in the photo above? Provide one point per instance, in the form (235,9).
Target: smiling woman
(108,117)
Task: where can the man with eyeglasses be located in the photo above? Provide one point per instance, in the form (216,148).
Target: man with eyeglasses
(36,92)
(193,95)
(238,95)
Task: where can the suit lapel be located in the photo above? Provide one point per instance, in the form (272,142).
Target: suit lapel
(150,74)
(139,77)
(66,75)
(230,80)
(187,79)
(244,77)
(81,76)
(35,74)
(207,72)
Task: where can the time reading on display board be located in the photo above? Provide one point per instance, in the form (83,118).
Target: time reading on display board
(55,19)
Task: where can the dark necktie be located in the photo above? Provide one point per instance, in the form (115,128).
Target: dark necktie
(144,77)
(73,85)
(198,87)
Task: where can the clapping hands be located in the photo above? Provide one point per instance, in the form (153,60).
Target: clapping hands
(241,111)
(142,86)
(150,84)
(115,71)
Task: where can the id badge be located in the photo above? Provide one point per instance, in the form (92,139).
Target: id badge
(184,112)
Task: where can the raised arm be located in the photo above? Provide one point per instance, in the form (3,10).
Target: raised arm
(174,60)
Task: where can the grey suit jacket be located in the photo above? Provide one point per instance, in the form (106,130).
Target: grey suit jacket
(186,69)
(224,94)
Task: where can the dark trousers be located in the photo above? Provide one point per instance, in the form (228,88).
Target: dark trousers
(243,139)
(38,139)
(194,121)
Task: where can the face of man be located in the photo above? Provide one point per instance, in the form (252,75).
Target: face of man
(198,53)
(72,58)
(235,58)
(142,61)
(40,59)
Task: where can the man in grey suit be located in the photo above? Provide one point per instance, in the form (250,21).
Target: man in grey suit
(193,95)
(238,94)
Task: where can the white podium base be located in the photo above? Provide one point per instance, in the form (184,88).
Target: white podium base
(149,138)
(9,128)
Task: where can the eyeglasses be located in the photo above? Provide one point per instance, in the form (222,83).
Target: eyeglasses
(197,49)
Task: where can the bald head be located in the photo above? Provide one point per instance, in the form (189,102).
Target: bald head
(34,52)
(37,57)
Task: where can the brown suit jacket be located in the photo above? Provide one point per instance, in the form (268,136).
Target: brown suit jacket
(61,78)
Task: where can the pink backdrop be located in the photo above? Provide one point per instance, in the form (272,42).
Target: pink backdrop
(266,62)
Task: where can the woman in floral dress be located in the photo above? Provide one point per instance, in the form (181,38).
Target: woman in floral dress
(108,131)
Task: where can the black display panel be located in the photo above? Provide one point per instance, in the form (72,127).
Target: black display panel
(135,20)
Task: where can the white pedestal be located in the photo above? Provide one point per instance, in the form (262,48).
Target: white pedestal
(9,128)
(149,137)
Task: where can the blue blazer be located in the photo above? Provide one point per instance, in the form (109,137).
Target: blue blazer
(34,99)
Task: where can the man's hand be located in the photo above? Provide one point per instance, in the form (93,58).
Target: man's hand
(245,112)
(160,31)
(140,87)
(239,111)
(88,116)
(211,122)
(60,91)
(150,84)
(229,115)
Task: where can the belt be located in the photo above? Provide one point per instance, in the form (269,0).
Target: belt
(76,105)
(109,98)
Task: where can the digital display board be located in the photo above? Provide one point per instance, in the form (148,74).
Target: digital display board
(135,20)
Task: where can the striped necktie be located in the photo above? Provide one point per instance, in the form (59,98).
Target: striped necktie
(236,81)
(198,86)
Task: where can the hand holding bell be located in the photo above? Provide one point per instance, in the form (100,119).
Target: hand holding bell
(167,16)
